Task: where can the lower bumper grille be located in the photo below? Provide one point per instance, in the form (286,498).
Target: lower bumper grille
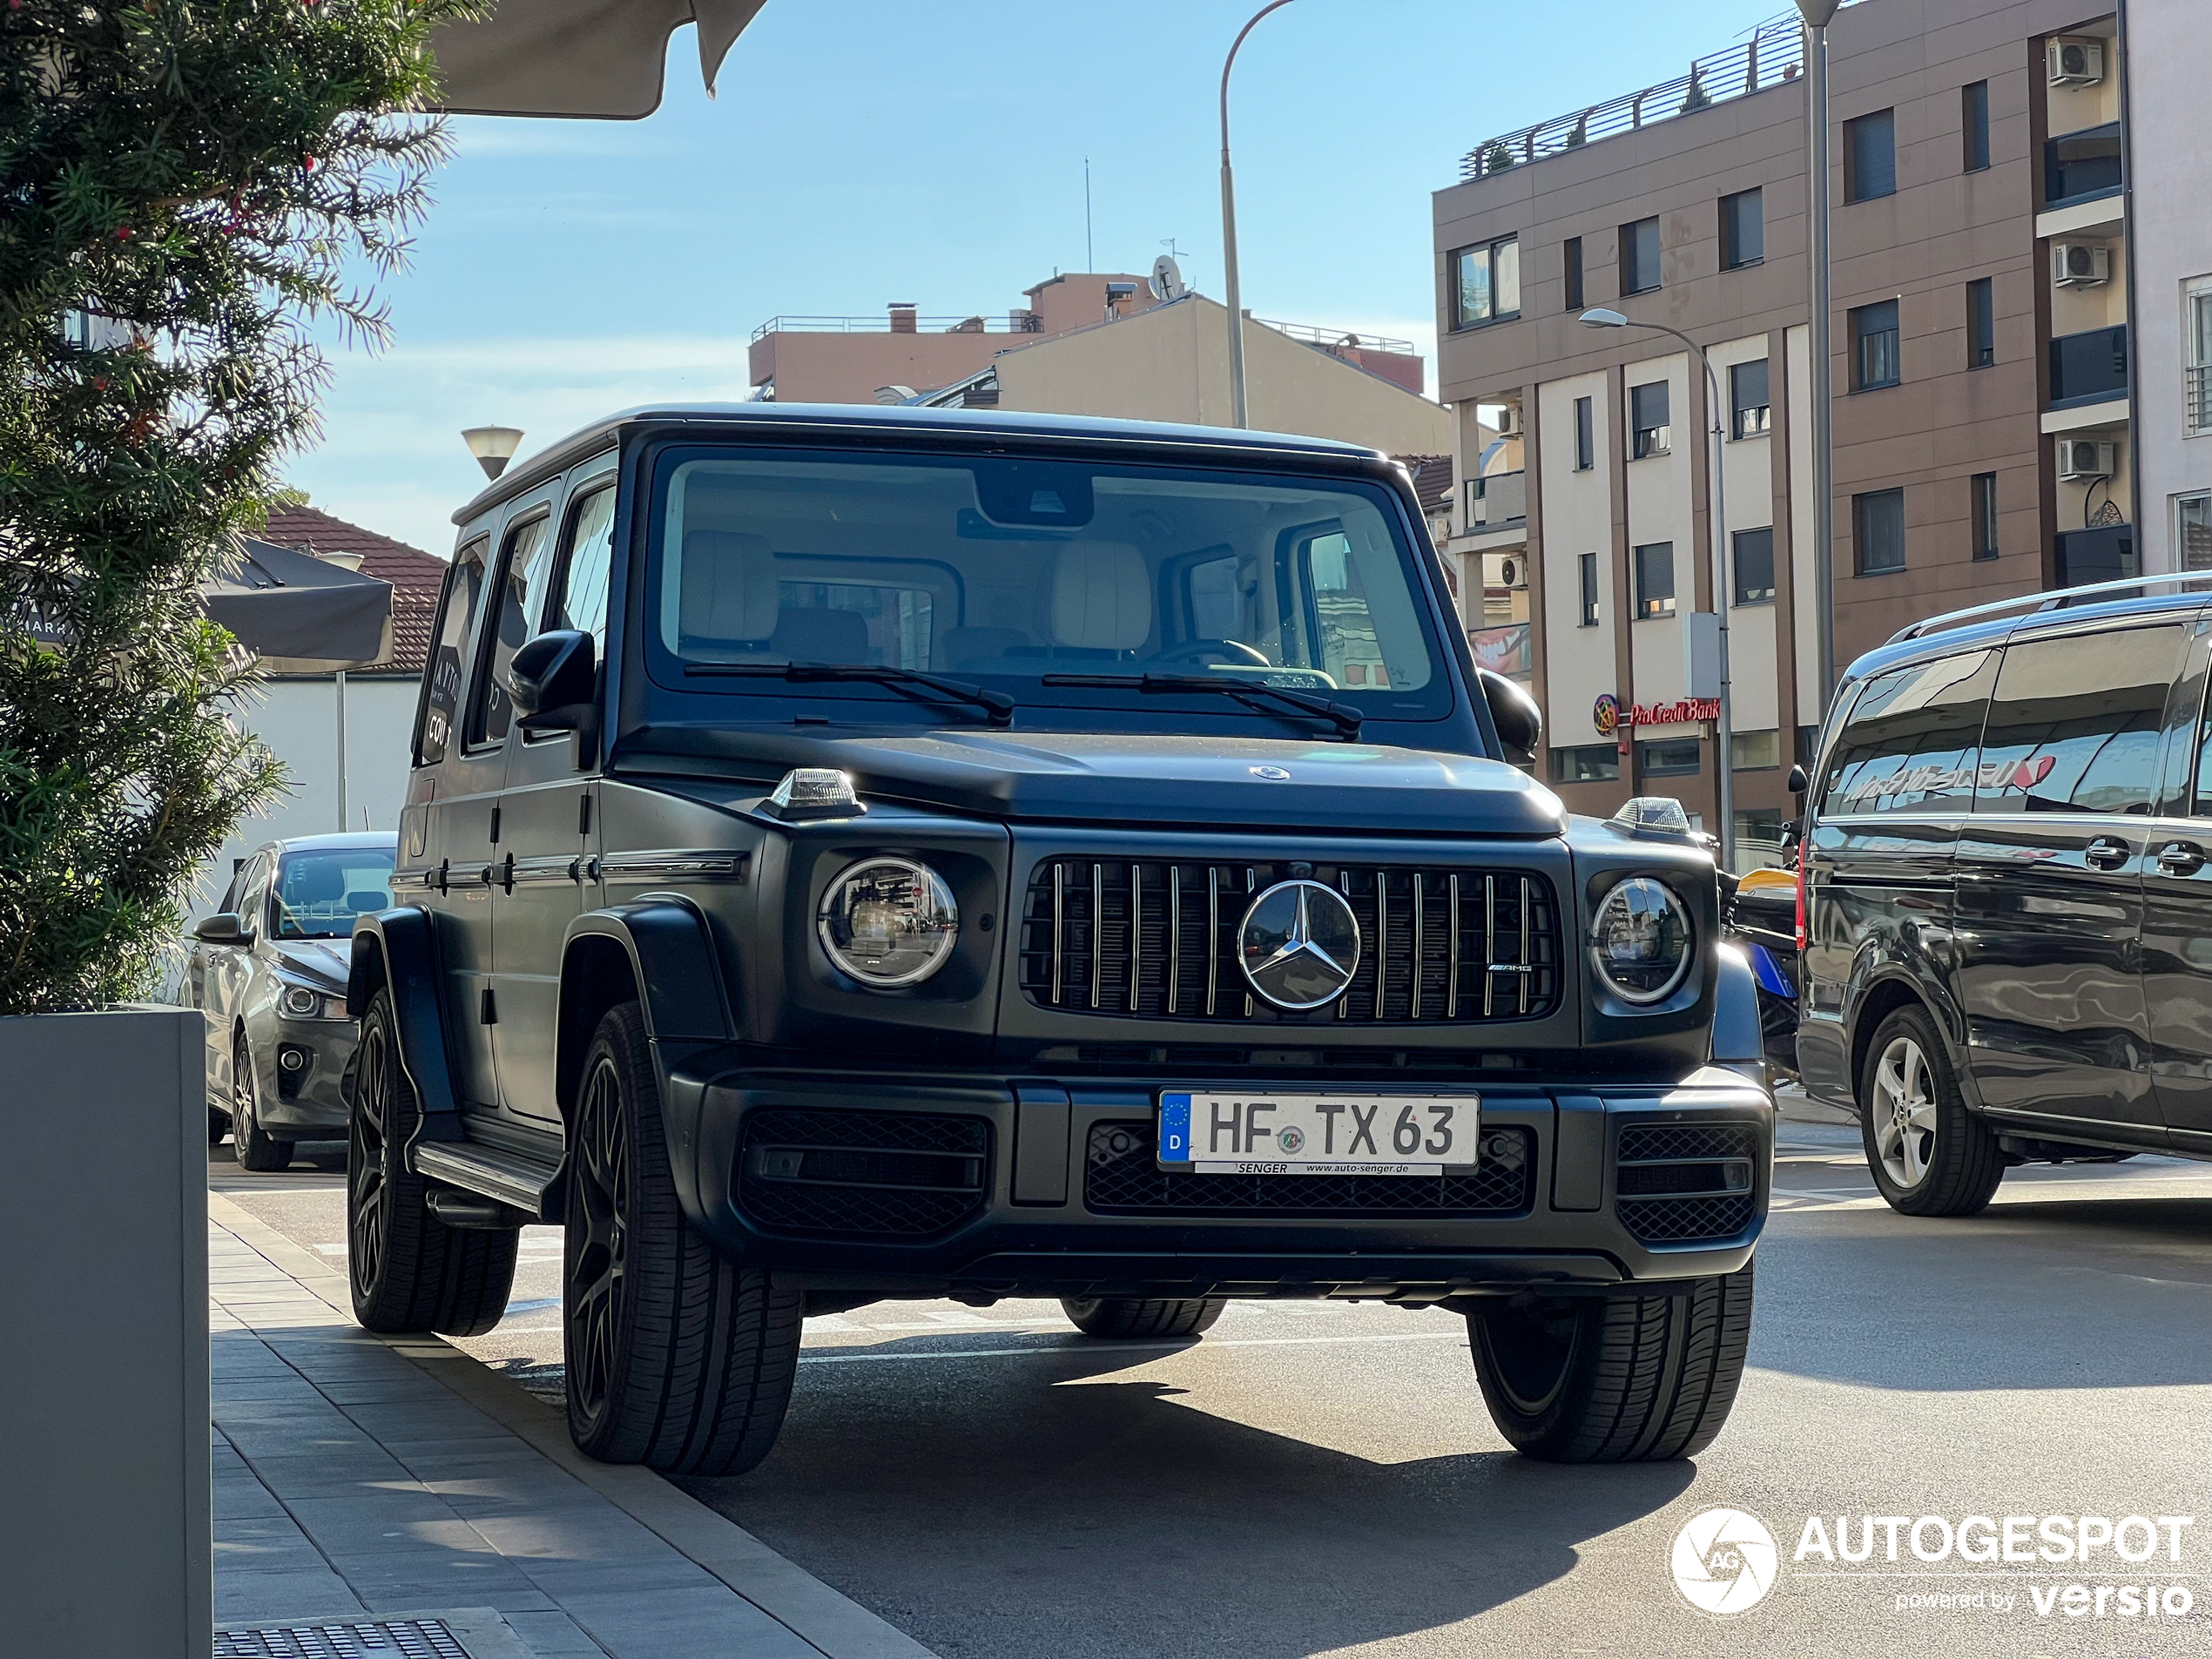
(1121,1178)
(1687,1182)
(905,1174)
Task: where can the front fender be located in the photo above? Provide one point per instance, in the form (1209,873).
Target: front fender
(1739,1042)
(398,949)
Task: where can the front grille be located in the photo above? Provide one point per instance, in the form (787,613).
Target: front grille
(1158,942)
(1121,1178)
(901,1173)
(1683,1182)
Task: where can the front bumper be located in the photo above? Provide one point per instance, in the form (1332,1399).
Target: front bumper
(1040,1216)
(299,1097)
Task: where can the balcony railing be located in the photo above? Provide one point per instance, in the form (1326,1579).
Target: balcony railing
(2104,553)
(1333,339)
(2089,368)
(1018,322)
(2200,396)
(1773,55)
(1497,500)
(2081,166)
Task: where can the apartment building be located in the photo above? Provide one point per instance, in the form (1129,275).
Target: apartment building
(1982,403)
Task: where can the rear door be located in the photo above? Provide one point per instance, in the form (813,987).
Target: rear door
(2177,908)
(230,968)
(2050,878)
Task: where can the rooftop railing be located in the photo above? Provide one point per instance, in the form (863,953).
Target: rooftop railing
(1020,322)
(1334,337)
(1773,54)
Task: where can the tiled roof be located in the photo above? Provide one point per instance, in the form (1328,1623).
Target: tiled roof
(1432,481)
(415,575)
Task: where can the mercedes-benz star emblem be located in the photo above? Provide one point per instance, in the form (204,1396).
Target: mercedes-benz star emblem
(1271,775)
(1299,943)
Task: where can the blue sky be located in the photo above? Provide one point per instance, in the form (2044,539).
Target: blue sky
(866,150)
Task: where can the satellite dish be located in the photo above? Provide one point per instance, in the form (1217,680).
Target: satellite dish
(1167,279)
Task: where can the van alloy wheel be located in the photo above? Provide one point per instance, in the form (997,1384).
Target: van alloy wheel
(599,1212)
(369,1222)
(1904,1114)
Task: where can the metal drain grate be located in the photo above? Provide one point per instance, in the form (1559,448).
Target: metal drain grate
(391,1639)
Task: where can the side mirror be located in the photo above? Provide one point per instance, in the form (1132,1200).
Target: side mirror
(1520,722)
(223,927)
(554,680)
(1798,782)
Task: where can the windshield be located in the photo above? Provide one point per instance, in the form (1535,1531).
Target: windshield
(320,892)
(1003,572)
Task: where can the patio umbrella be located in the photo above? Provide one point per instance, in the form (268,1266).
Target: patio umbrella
(302,615)
(590,57)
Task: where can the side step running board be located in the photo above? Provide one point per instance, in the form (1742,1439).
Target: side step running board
(507,1177)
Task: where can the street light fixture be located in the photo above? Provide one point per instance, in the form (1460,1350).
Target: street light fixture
(1818,14)
(1240,416)
(1600,317)
(493,446)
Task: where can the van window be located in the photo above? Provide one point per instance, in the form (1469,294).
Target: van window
(1911,739)
(522,595)
(2074,725)
(584,580)
(441,684)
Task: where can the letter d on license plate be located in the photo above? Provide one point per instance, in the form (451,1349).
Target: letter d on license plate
(1301,1134)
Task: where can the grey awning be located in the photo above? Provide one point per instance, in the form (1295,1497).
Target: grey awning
(300,614)
(591,57)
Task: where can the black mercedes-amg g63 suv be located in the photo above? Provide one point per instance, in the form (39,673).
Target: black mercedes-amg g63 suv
(857,854)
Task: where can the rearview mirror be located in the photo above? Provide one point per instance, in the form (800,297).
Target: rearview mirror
(223,927)
(1798,782)
(1520,722)
(556,680)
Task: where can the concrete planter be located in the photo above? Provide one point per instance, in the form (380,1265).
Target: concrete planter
(104,1532)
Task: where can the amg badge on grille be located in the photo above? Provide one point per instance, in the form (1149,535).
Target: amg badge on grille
(1300,944)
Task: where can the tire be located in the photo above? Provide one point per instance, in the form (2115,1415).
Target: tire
(410,1271)
(1928,1153)
(219,1125)
(257,1149)
(676,1358)
(1143,1315)
(1636,1379)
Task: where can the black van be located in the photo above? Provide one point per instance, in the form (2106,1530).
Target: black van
(2007,902)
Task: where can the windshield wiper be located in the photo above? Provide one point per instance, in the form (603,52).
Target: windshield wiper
(1346,720)
(997,706)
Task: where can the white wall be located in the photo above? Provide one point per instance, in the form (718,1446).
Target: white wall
(298,720)
(1804,523)
(1577,519)
(1660,505)
(1747,467)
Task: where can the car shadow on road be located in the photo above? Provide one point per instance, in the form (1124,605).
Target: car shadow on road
(1111,1518)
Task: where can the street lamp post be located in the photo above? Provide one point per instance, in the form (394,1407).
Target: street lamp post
(1817,16)
(1725,760)
(1239,415)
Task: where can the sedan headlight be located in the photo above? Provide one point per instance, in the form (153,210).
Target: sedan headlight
(889,923)
(302,1002)
(1640,941)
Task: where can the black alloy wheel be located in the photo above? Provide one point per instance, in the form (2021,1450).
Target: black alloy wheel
(597,1245)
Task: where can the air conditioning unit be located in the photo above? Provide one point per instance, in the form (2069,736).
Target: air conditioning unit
(1509,425)
(2075,63)
(2081,265)
(1513,571)
(2081,459)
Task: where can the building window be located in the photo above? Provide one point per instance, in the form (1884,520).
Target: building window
(1654,580)
(1648,415)
(1981,322)
(1585,435)
(1743,230)
(1485,283)
(1755,751)
(1753,415)
(2197,335)
(1640,256)
(1754,564)
(1586,571)
(1878,531)
(1869,157)
(1668,757)
(1591,763)
(1984,504)
(1973,122)
(1873,347)
(1574,274)
(2192,531)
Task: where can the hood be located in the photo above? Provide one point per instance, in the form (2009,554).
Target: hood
(1104,778)
(326,961)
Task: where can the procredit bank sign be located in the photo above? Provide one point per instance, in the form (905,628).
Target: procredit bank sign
(1609,714)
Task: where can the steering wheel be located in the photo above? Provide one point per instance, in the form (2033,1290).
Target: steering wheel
(1223,650)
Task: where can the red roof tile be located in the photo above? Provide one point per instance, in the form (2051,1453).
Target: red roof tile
(414,576)
(1432,481)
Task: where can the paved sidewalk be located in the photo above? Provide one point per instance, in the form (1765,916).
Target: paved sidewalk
(359,1477)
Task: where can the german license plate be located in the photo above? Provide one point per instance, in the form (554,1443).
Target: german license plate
(1299,1134)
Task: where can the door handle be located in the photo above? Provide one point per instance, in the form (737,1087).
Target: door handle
(2180,858)
(506,877)
(2106,852)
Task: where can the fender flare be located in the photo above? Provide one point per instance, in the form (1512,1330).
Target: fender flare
(399,950)
(1737,1040)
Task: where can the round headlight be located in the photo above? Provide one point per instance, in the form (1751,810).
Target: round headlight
(300,1002)
(889,923)
(1639,942)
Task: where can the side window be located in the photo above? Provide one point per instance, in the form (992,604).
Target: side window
(442,683)
(522,595)
(1357,635)
(583,603)
(253,895)
(1913,738)
(1213,599)
(2074,725)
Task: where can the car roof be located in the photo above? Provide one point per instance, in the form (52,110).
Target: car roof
(2065,617)
(852,418)
(376,839)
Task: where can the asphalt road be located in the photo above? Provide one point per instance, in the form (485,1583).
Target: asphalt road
(1315,1479)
